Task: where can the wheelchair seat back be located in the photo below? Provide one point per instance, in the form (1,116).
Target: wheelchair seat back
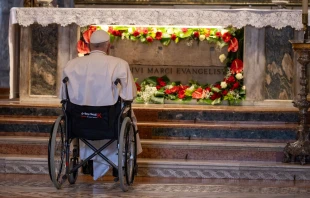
(93,122)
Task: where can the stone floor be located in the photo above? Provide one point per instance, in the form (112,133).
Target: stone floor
(15,185)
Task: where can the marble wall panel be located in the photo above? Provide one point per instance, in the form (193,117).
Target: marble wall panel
(196,57)
(279,64)
(43,69)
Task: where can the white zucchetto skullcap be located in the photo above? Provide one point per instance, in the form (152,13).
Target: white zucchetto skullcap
(99,36)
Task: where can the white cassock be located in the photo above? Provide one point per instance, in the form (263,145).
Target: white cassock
(91,82)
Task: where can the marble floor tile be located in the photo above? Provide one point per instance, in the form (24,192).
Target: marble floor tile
(16,185)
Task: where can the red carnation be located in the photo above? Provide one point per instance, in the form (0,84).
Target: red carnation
(230,79)
(168,91)
(208,89)
(149,39)
(233,45)
(215,96)
(184,30)
(82,47)
(235,85)
(217,86)
(225,92)
(158,35)
(158,87)
(236,66)
(226,37)
(218,34)
(110,30)
(162,83)
(136,33)
(196,34)
(173,37)
(116,33)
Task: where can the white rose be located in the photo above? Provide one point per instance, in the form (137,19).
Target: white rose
(123,35)
(222,58)
(239,76)
(130,30)
(170,31)
(223,31)
(243,87)
(202,37)
(223,85)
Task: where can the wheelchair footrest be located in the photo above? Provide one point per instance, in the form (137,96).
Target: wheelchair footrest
(87,168)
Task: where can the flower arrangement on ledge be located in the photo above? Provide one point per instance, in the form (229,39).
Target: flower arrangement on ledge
(160,89)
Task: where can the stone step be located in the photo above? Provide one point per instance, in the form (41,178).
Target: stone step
(178,168)
(167,112)
(224,130)
(166,149)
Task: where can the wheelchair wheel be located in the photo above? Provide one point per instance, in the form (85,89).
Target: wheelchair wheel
(73,176)
(57,152)
(127,154)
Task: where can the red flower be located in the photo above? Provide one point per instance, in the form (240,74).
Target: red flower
(158,87)
(218,34)
(158,35)
(208,89)
(233,45)
(82,47)
(183,87)
(162,83)
(184,30)
(215,96)
(208,32)
(196,34)
(173,37)
(159,80)
(217,86)
(138,87)
(168,91)
(149,39)
(198,93)
(235,86)
(236,66)
(226,37)
(87,34)
(145,31)
(181,94)
(225,92)
(136,33)
(230,80)
(174,89)
(116,33)
(110,30)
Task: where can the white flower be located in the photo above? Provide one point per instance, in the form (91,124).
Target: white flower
(80,55)
(130,30)
(202,37)
(243,87)
(223,85)
(123,35)
(239,76)
(223,31)
(154,29)
(148,93)
(170,31)
(222,58)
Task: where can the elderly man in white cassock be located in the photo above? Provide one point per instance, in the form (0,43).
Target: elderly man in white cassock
(91,82)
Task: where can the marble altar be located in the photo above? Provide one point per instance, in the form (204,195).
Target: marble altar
(268,57)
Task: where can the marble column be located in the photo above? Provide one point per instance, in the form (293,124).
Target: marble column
(5,6)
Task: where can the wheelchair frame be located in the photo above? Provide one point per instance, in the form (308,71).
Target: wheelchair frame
(67,168)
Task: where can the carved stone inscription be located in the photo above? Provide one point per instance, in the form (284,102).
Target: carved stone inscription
(180,62)
(180,73)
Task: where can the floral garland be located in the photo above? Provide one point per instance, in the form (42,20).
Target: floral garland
(157,89)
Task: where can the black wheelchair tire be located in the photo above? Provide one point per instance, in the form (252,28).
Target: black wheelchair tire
(56,170)
(131,151)
(122,153)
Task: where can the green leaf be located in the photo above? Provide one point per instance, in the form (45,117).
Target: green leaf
(159,94)
(157,100)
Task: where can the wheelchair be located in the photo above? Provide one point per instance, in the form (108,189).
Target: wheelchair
(87,123)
